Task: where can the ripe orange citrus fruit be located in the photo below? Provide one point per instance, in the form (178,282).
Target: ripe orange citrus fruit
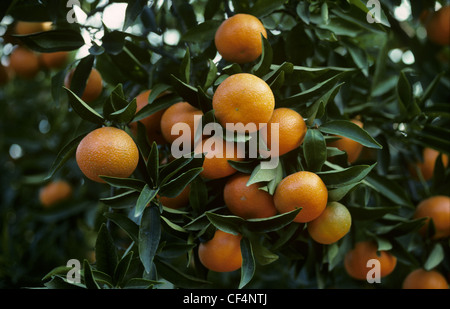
(217,153)
(238,38)
(107,151)
(152,123)
(436,208)
(178,113)
(29,27)
(243,98)
(94,85)
(331,225)
(438,26)
(355,261)
(291,130)
(301,190)
(247,201)
(222,253)
(351,147)
(55,192)
(426,166)
(54,60)
(24,62)
(178,201)
(422,279)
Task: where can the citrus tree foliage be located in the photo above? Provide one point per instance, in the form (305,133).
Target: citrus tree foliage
(321,58)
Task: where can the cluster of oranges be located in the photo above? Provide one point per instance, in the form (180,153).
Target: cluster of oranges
(247,99)
(26,63)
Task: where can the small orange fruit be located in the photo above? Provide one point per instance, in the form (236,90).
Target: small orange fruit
(217,153)
(436,208)
(178,201)
(222,253)
(355,261)
(55,192)
(301,190)
(152,123)
(55,60)
(438,26)
(351,147)
(107,151)
(94,85)
(247,201)
(422,279)
(291,130)
(331,225)
(24,63)
(238,38)
(426,166)
(179,113)
(243,99)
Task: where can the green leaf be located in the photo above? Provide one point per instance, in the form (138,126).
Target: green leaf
(105,252)
(157,104)
(198,195)
(339,193)
(203,32)
(53,40)
(388,188)
(405,96)
(122,269)
(64,155)
(125,183)
(227,223)
(248,262)
(134,9)
(185,67)
(211,76)
(314,150)
(436,256)
(83,110)
(149,236)
(262,8)
(89,277)
(344,177)
(174,187)
(146,196)
(125,223)
(177,277)
(188,92)
(263,65)
(153,164)
(370,213)
(124,115)
(430,89)
(271,224)
(351,130)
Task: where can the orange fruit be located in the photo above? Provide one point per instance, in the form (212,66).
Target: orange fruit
(152,123)
(217,153)
(301,190)
(436,208)
(178,201)
(438,26)
(94,85)
(351,147)
(55,192)
(181,112)
(54,60)
(331,225)
(426,166)
(29,27)
(222,253)
(247,201)
(24,62)
(243,98)
(355,260)
(422,279)
(238,38)
(291,130)
(107,151)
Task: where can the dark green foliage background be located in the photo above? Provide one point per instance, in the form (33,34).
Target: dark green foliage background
(321,58)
